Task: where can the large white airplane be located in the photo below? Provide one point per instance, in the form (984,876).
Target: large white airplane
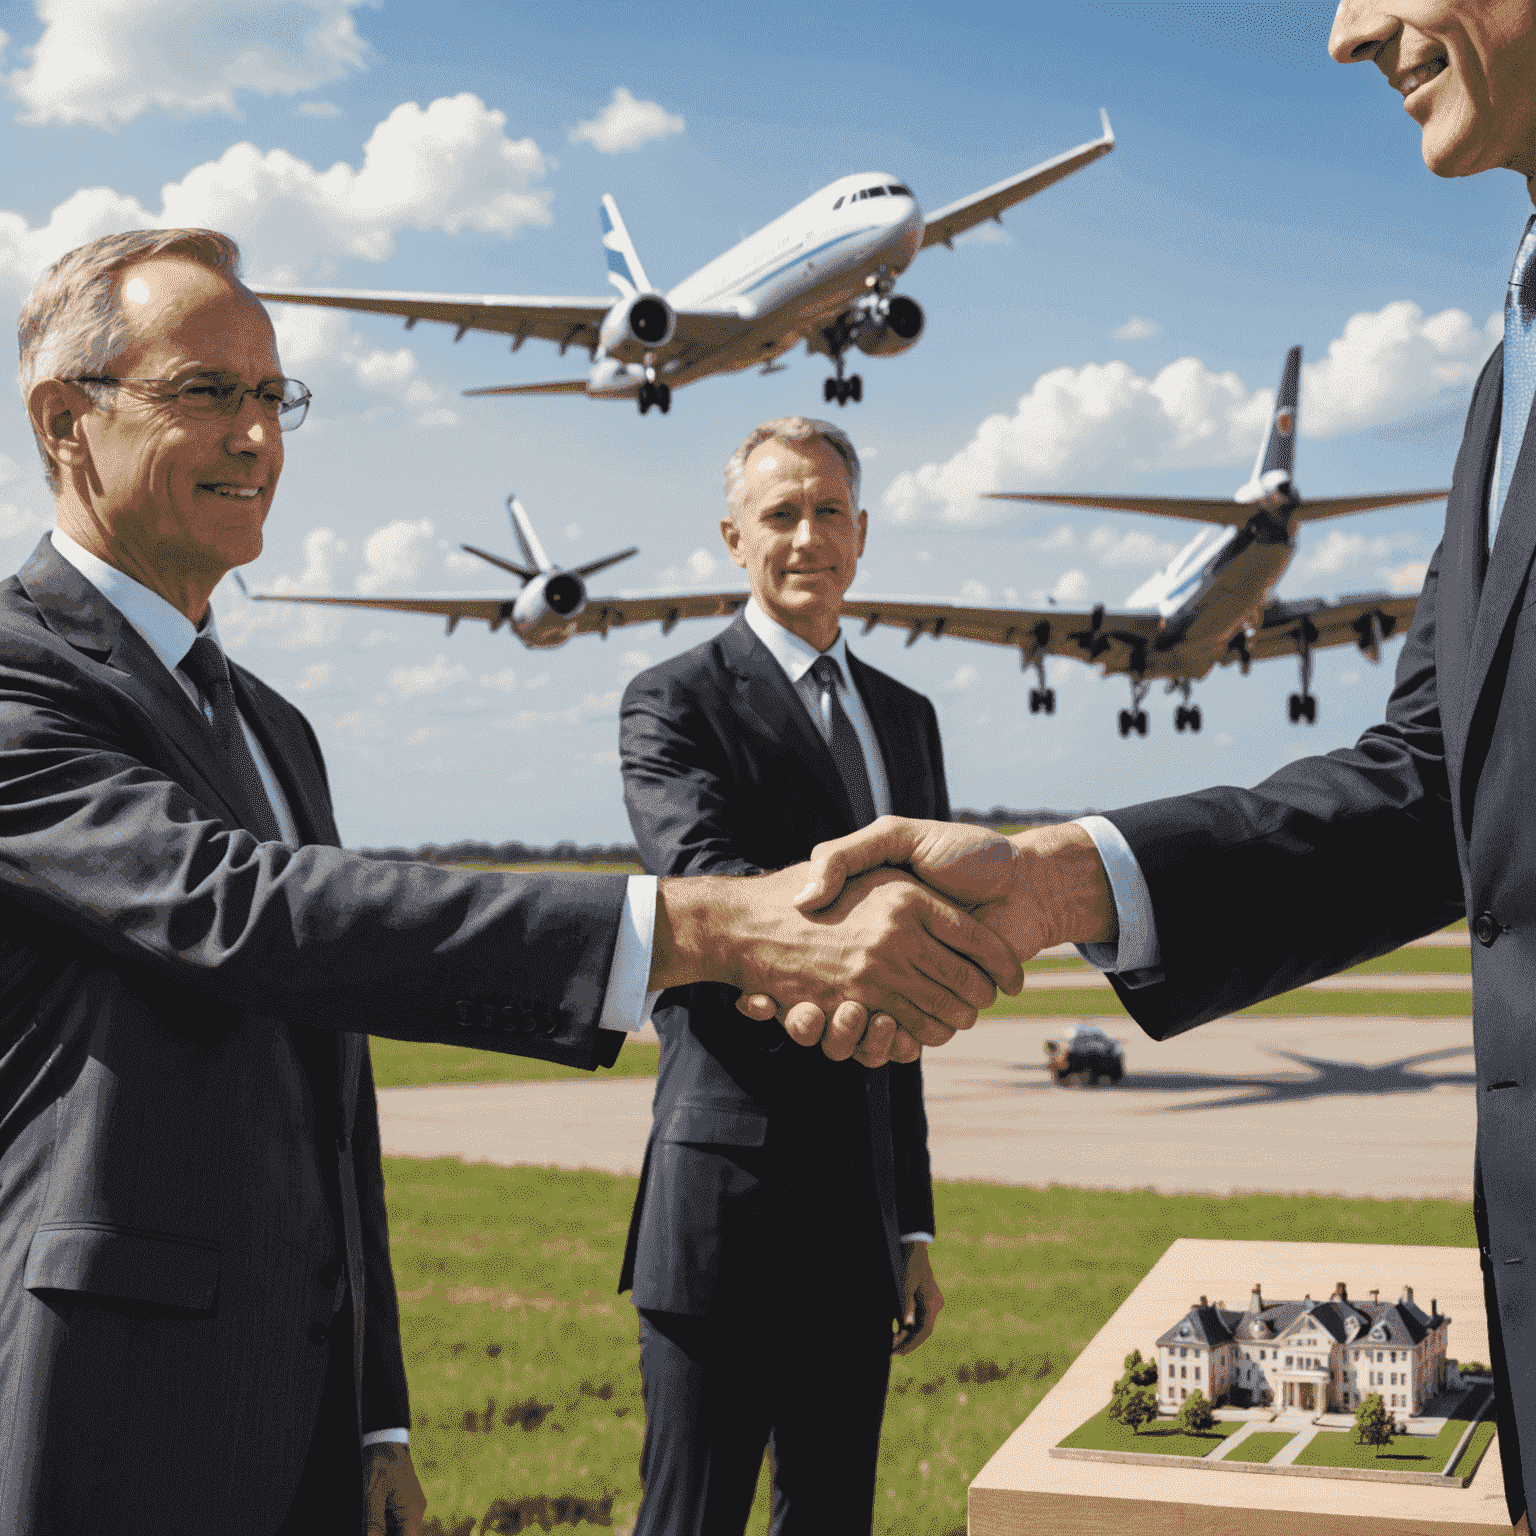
(823,273)
(1211,606)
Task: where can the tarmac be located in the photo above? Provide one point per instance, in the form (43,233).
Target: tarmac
(1350,1105)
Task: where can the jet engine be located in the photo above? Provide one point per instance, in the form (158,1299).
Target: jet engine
(637,325)
(890,325)
(546,609)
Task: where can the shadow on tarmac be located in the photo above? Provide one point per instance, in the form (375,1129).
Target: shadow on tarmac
(1321,1079)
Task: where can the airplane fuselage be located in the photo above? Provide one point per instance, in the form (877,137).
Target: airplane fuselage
(802,271)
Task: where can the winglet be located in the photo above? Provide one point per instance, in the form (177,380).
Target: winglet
(1109,133)
(624,269)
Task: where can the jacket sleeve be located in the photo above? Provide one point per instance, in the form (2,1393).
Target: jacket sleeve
(97,843)
(386,1399)
(1330,861)
(678,782)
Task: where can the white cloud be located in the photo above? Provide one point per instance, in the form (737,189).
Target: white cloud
(431,677)
(318,109)
(637,659)
(573,530)
(1071,588)
(393,554)
(1134,548)
(541,681)
(1074,422)
(626,124)
(298,624)
(318,676)
(1408,578)
(1341,550)
(1135,329)
(449,167)
(985,234)
(504,681)
(1349,679)
(104,62)
(966,677)
(457,560)
(974,592)
(696,571)
(320,346)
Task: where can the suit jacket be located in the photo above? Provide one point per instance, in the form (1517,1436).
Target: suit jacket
(1426,817)
(189,1146)
(725,773)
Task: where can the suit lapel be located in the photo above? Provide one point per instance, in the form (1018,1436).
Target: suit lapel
(767,701)
(1508,566)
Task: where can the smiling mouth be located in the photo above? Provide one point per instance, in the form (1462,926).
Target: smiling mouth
(233,492)
(1422,74)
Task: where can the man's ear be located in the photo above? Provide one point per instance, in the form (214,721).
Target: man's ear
(57,409)
(731,533)
(863,531)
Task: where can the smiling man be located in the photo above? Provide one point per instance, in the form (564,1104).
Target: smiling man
(785,1209)
(198,1325)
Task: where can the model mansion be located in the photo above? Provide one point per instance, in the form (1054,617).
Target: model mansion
(1315,1356)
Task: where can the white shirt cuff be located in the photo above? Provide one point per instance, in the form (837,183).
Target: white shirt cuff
(1137,949)
(386,1437)
(627,1004)
(917,1237)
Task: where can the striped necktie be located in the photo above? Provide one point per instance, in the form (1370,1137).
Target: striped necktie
(1519,369)
(206,666)
(844,741)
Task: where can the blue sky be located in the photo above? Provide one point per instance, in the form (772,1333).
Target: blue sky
(1259,196)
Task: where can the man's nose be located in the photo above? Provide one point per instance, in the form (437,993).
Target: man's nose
(250,431)
(1360,28)
(805,531)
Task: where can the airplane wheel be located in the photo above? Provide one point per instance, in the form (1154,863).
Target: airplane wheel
(1048,699)
(664,397)
(1194,718)
(1125,722)
(1140,722)
(1178,719)
(645,398)
(1309,708)
(828,390)
(1293,708)
(1034,701)
(856,388)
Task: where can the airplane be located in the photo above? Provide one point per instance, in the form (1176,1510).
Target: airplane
(553,603)
(823,273)
(1211,606)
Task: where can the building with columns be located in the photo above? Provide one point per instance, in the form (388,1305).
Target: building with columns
(1316,1357)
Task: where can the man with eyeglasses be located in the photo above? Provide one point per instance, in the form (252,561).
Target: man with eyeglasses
(198,1324)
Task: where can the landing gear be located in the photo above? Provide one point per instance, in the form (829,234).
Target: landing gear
(659,395)
(1186,714)
(840,389)
(1135,718)
(1042,698)
(1303,706)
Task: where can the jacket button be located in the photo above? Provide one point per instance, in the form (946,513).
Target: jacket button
(1486,928)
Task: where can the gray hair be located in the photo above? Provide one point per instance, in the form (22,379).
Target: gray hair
(71,323)
(788,429)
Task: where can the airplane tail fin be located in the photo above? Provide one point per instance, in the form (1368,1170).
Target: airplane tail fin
(624,269)
(1279,449)
(527,539)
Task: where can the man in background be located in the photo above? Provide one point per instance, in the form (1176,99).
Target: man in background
(198,1324)
(785,1208)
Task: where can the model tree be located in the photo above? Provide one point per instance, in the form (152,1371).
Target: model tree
(1373,1423)
(1138,1373)
(1134,1406)
(1195,1416)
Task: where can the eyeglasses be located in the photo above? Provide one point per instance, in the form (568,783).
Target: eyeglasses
(208,396)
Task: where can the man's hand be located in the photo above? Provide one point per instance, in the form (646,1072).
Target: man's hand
(921,1300)
(883,942)
(396,1504)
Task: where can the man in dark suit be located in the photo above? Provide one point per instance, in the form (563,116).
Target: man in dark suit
(785,1208)
(1426,818)
(198,1325)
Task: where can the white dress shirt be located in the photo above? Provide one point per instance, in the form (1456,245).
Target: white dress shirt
(169,633)
(797,657)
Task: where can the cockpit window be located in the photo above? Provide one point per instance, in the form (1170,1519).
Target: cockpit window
(838,204)
(899,191)
(875,192)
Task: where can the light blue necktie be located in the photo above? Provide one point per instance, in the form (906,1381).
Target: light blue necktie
(1519,368)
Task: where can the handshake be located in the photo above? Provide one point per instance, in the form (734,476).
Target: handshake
(889,939)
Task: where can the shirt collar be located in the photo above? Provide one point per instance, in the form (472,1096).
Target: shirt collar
(795,655)
(167,631)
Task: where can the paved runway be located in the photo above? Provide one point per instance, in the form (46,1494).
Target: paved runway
(1357,1106)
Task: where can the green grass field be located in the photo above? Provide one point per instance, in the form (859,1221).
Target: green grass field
(1405,1453)
(1261,1447)
(1091,1002)
(404,1064)
(1101,1433)
(523,1362)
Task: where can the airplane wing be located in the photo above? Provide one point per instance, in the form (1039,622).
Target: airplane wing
(1114,640)
(600,615)
(942,227)
(1364,621)
(1211,509)
(547,387)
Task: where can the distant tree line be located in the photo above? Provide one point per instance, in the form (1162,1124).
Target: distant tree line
(471,851)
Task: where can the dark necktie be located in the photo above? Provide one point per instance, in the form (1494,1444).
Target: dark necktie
(1519,368)
(206,666)
(844,741)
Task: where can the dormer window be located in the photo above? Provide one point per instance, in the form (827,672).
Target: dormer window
(1184,1329)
